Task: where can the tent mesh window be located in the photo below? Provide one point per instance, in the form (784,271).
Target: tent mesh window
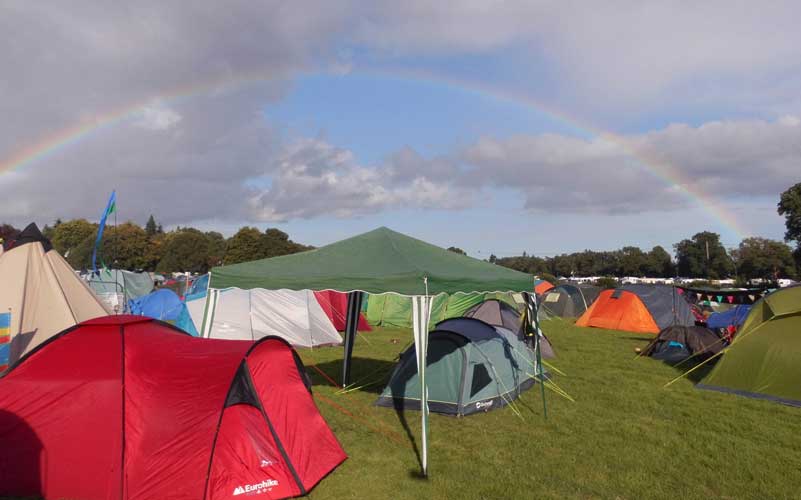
(481,379)
(617,293)
(242,391)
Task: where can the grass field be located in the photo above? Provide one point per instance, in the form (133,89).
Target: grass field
(625,437)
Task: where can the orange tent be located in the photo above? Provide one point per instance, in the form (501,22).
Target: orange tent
(619,310)
(542,286)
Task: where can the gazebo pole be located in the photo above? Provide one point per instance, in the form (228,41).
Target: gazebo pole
(351,327)
(421,310)
(534,324)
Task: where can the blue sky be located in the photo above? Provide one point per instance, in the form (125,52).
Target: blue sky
(498,128)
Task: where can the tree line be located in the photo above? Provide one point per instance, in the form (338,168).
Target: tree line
(700,257)
(184,249)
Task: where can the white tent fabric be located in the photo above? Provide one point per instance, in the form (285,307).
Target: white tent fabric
(295,316)
(44,296)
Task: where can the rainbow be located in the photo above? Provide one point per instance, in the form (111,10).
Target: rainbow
(658,167)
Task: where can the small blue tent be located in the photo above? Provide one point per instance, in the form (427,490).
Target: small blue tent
(165,305)
(733,317)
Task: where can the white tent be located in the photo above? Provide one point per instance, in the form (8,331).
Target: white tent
(295,316)
(42,293)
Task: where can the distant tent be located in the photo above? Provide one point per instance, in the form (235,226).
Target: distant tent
(126,407)
(569,301)
(295,316)
(733,318)
(638,308)
(42,292)
(164,304)
(116,287)
(499,313)
(763,359)
(542,286)
(335,306)
(471,367)
(677,343)
(390,310)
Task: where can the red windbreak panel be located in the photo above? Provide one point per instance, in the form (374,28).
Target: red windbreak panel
(335,306)
(247,463)
(61,419)
(175,388)
(310,444)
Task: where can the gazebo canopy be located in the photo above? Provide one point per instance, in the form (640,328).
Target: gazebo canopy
(378,261)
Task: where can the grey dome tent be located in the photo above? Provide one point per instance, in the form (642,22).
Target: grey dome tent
(471,367)
(677,343)
(569,301)
(499,313)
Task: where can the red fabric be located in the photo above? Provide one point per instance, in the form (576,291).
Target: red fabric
(308,442)
(66,411)
(258,467)
(335,305)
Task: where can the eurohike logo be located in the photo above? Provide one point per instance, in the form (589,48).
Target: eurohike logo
(255,489)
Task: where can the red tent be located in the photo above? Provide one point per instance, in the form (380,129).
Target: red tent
(335,305)
(126,407)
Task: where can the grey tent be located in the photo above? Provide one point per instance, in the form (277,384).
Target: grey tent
(568,300)
(498,313)
(677,343)
(471,367)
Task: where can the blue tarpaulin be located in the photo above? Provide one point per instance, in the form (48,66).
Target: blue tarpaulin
(165,305)
(733,317)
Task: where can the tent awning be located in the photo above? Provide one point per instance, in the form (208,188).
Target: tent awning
(379,261)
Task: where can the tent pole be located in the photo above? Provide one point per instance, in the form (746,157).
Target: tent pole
(351,327)
(534,324)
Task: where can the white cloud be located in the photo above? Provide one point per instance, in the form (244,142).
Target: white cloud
(314,178)
(157,117)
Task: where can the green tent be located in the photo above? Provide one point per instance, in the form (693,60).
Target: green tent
(396,310)
(764,360)
(116,282)
(379,261)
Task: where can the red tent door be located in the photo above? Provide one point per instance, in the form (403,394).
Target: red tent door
(248,460)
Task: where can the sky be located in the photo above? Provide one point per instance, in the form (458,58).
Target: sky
(495,126)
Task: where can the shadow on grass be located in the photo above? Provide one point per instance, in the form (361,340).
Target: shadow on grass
(690,367)
(369,376)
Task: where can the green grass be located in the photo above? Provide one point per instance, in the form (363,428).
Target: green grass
(625,437)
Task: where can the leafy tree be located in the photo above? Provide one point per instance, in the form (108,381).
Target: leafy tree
(693,261)
(764,258)
(150,227)
(217,245)
(457,250)
(790,207)
(8,233)
(658,263)
(123,247)
(276,242)
(632,262)
(492,258)
(244,246)
(185,249)
(69,235)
